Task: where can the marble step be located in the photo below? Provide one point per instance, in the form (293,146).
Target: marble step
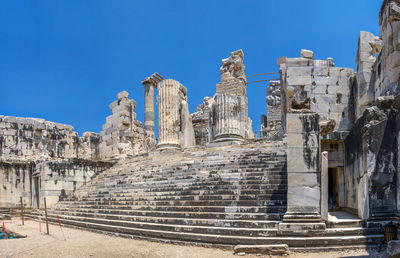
(184,192)
(302,242)
(180,203)
(218,189)
(177,220)
(194,196)
(180,214)
(231,231)
(250,209)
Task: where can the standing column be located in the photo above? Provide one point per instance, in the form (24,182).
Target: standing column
(169,114)
(230,120)
(150,83)
(148,106)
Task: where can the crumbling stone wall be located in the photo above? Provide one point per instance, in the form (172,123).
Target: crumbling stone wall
(32,139)
(202,122)
(369,46)
(387,69)
(274,110)
(122,134)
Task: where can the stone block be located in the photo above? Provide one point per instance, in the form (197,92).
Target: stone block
(304,197)
(321,71)
(306,179)
(123,95)
(302,122)
(329,80)
(303,159)
(307,54)
(294,62)
(299,75)
(299,140)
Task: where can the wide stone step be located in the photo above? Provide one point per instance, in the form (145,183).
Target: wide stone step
(178,221)
(178,171)
(179,214)
(181,203)
(345,223)
(155,176)
(195,196)
(194,183)
(227,178)
(262,188)
(196,161)
(356,231)
(230,231)
(227,239)
(185,192)
(251,209)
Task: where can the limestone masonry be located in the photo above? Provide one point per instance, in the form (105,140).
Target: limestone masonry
(328,148)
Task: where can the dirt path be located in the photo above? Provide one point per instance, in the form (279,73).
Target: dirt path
(79,243)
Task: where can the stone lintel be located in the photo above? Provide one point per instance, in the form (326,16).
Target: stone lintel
(153,80)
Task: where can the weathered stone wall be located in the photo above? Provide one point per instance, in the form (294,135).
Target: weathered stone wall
(372,163)
(122,134)
(32,139)
(51,179)
(369,47)
(16,182)
(317,86)
(387,68)
(58,179)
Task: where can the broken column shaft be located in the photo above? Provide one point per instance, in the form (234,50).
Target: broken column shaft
(169,114)
(230,120)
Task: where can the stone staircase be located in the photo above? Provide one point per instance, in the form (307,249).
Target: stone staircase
(222,196)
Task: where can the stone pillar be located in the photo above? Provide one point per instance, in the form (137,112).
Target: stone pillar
(149,106)
(304,175)
(230,117)
(169,114)
(150,83)
(324,186)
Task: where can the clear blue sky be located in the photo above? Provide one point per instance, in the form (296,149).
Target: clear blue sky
(65,60)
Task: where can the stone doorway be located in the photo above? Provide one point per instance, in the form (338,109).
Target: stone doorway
(36,191)
(333,186)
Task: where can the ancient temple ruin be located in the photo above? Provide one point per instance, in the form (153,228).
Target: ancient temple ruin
(329,143)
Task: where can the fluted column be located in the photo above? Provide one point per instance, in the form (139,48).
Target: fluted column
(168,114)
(230,117)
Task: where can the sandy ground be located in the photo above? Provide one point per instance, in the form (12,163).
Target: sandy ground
(68,242)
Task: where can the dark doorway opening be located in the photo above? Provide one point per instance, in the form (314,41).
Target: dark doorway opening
(333,189)
(36,190)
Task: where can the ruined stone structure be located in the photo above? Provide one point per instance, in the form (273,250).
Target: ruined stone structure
(271,127)
(175,126)
(122,134)
(330,143)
